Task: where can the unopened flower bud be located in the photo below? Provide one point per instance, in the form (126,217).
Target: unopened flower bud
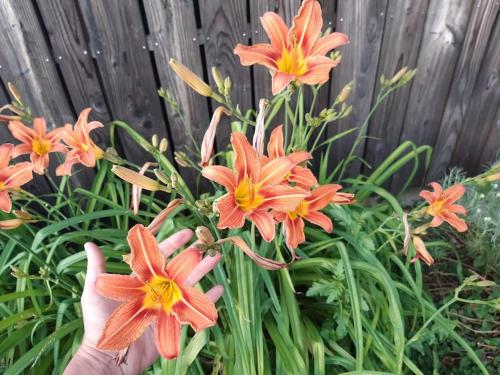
(173,180)
(18,273)
(160,175)
(398,75)
(228,85)
(155,140)
(195,82)
(493,177)
(163,145)
(219,80)
(10,224)
(344,94)
(14,92)
(111,155)
(137,178)
(204,236)
(181,158)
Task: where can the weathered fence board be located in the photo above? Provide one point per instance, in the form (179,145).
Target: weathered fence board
(116,30)
(441,45)
(483,17)
(173,34)
(484,117)
(363,22)
(403,30)
(113,55)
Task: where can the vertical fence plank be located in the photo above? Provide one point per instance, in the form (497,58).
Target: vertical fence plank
(363,22)
(482,121)
(74,57)
(5,135)
(441,44)
(173,34)
(27,62)
(116,30)
(403,29)
(479,31)
(225,24)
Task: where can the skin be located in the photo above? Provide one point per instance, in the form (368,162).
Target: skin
(96,309)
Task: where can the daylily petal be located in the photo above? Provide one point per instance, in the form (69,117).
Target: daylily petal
(119,287)
(39,162)
(263,54)
(39,126)
(275,145)
(220,174)
(155,226)
(321,220)
(146,259)
(276,29)
(275,171)
(436,221)
(281,197)
(137,190)
(318,70)
(168,336)
(328,42)
(65,168)
(246,161)
(21,149)
(438,190)
(453,193)
(266,263)
(457,223)
(265,223)
(5,202)
(306,26)
(322,196)
(298,157)
(428,196)
(181,265)
(231,216)
(18,175)
(125,325)
(457,209)
(281,81)
(343,198)
(294,232)
(5,154)
(207,145)
(21,132)
(195,309)
(303,177)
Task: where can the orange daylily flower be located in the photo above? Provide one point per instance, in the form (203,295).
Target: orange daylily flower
(442,208)
(303,177)
(83,149)
(253,188)
(37,142)
(308,209)
(156,293)
(12,177)
(297,53)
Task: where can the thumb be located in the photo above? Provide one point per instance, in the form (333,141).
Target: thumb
(95,264)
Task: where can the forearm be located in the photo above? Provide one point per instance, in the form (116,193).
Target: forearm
(90,361)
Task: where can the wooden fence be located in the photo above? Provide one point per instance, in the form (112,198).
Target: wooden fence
(112,55)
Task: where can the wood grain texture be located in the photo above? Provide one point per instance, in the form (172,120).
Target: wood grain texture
(5,135)
(441,45)
(475,145)
(24,62)
(115,28)
(403,32)
(73,55)
(363,22)
(479,31)
(224,25)
(172,28)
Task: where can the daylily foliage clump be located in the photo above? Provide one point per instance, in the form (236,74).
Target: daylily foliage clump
(323,255)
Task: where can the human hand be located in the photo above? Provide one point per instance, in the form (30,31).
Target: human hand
(96,310)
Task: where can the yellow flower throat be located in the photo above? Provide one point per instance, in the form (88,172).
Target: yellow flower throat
(161,293)
(41,146)
(246,195)
(292,61)
(300,211)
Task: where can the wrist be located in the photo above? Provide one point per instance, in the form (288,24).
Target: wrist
(91,361)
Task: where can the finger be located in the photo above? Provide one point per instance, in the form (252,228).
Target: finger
(205,266)
(179,239)
(95,264)
(215,293)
